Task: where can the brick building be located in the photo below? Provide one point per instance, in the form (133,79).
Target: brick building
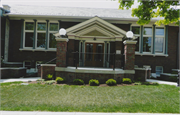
(31,36)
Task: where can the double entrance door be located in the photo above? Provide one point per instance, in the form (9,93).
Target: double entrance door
(94,54)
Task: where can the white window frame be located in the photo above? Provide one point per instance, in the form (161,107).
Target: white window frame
(148,36)
(40,31)
(160,36)
(24,34)
(53,32)
(137,35)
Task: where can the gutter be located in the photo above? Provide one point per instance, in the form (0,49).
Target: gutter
(73,17)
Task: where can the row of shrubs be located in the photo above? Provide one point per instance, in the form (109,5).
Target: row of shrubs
(94,82)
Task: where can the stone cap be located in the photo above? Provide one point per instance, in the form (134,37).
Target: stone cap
(62,39)
(129,42)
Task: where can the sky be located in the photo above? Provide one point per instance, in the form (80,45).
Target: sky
(67,3)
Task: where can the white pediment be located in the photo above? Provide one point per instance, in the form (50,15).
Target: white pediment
(97,25)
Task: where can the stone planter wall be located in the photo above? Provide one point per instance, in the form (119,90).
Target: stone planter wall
(46,69)
(12,72)
(142,74)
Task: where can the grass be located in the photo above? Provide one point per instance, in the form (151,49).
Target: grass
(139,98)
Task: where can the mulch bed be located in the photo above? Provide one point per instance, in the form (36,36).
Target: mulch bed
(101,85)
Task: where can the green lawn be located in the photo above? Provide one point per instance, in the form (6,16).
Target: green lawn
(141,98)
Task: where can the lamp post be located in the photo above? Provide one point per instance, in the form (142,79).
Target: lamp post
(62,32)
(129,35)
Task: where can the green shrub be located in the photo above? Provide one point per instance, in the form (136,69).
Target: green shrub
(78,82)
(173,78)
(49,76)
(39,81)
(137,83)
(60,80)
(93,82)
(111,82)
(50,82)
(155,83)
(126,81)
(146,83)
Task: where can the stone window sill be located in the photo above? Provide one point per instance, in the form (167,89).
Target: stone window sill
(45,50)
(149,54)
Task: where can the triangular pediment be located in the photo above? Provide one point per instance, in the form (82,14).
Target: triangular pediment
(95,27)
(94,33)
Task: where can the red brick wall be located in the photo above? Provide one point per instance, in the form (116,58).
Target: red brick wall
(61,53)
(12,72)
(43,71)
(129,52)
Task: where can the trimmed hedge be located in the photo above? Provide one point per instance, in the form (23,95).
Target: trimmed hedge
(93,82)
(126,81)
(60,80)
(49,77)
(78,82)
(111,82)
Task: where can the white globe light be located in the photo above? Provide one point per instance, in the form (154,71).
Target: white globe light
(62,31)
(129,34)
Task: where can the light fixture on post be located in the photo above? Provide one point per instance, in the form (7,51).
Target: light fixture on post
(129,35)
(62,32)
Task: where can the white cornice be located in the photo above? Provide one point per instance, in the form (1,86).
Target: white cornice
(130,42)
(62,39)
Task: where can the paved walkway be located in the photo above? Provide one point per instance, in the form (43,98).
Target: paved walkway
(73,113)
(19,79)
(162,82)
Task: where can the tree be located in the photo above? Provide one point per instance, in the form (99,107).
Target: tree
(149,9)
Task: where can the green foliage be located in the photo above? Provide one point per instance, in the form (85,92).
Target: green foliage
(149,9)
(155,83)
(39,81)
(49,76)
(126,81)
(50,82)
(137,83)
(173,78)
(146,83)
(93,82)
(60,80)
(111,82)
(174,72)
(78,82)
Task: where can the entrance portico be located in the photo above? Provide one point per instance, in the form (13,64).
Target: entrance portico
(97,44)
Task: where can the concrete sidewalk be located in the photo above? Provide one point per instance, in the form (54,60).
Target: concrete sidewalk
(72,113)
(162,82)
(19,79)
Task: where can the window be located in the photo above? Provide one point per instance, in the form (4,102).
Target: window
(29,34)
(53,28)
(159,70)
(136,31)
(159,40)
(40,35)
(147,38)
(27,64)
